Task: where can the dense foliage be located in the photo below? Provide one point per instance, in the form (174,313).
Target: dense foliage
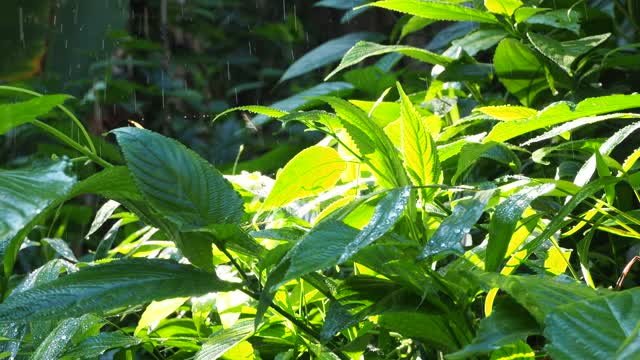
(472,197)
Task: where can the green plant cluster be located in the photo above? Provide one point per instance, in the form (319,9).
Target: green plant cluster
(479,201)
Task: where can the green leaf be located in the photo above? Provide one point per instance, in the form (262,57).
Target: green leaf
(414,24)
(61,248)
(567,52)
(311,172)
(94,346)
(157,311)
(565,19)
(508,323)
(449,235)
(373,145)
(508,113)
(363,50)
(433,328)
(519,70)
(539,296)
(502,7)
(57,341)
(105,287)
(331,243)
(268,111)
(595,328)
(304,99)
(12,115)
(480,40)
(177,182)
(339,4)
(25,195)
(418,147)
(223,340)
(504,220)
(519,350)
(112,183)
(325,54)
(436,10)
(561,112)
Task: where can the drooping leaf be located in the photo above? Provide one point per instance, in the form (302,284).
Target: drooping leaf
(449,235)
(94,346)
(363,50)
(561,112)
(304,98)
(312,171)
(480,40)
(177,182)
(601,327)
(508,323)
(12,115)
(418,146)
(436,10)
(504,220)
(567,52)
(25,194)
(268,111)
(502,7)
(414,24)
(109,286)
(223,340)
(519,70)
(540,296)
(61,247)
(325,54)
(372,143)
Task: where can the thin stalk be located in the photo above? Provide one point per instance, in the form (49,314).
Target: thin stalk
(72,143)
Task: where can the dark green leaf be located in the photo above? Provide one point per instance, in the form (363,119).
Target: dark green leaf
(93,347)
(177,182)
(109,286)
(519,70)
(567,52)
(223,340)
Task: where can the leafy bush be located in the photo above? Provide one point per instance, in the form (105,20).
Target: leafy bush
(486,213)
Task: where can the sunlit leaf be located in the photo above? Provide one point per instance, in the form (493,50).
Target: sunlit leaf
(12,115)
(436,10)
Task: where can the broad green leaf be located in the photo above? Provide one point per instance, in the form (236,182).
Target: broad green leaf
(525,12)
(102,215)
(94,346)
(480,40)
(177,182)
(26,195)
(565,19)
(363,50)
(331,242)
(508,113)
(113,183)
(502,7)
(385,216)
(519,70)
(469,154)
(595,328)
(504,220)
(508,323)
(567,52)
(449,235)
(156,312)
(429,327)
(325,54)
(436,10)
(540,296)
(106,287)
(372,144)
(561,112)
(418,147)
(312,171)
(58,340)
(304,98)
(223,340)
(12,115)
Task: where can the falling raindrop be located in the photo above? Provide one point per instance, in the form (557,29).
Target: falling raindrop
(21,22)
(228,71)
